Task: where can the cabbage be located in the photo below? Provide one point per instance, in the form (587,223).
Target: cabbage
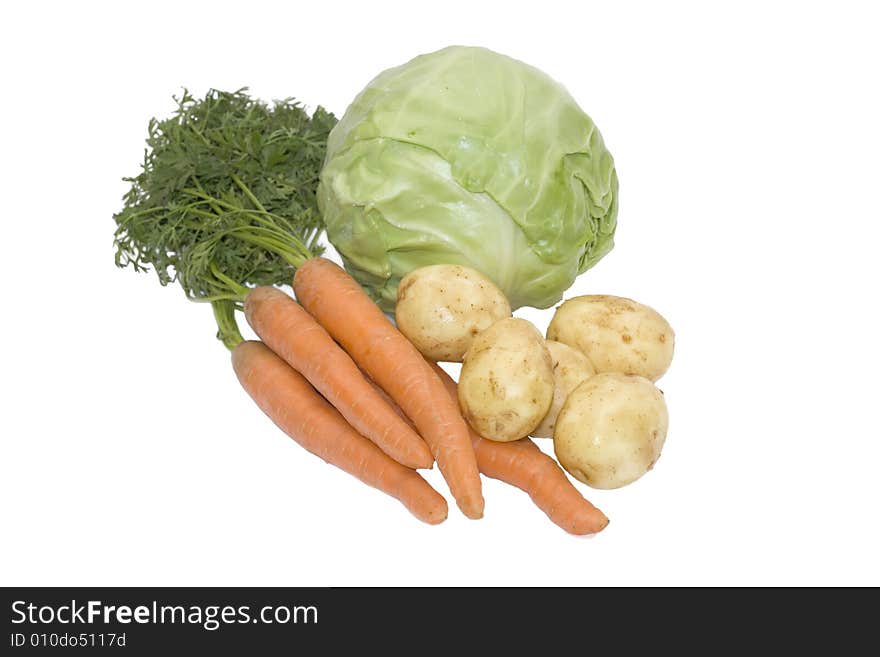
(469,157)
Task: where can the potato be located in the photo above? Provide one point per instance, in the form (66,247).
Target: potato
(611,429)
(616,334)
(570,369)
(506,382)
(441,308)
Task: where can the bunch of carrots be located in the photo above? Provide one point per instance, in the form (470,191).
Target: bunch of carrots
(334,373)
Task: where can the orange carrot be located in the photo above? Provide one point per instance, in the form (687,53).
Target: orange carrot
(304,415)
(293,334)
(521,464)
(340,305)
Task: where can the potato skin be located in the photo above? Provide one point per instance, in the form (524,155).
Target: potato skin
(440,308)
(570,369)
(611,430)
(616,334)
(506,383)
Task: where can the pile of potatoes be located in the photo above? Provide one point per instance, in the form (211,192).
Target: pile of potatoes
(589,385)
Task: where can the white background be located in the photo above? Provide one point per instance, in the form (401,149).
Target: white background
(747,141)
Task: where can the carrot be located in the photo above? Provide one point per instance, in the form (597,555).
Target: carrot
(340,305)
(296,337)
(294,405)
(521,464)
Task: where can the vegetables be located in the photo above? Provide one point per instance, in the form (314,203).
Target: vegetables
(465,156)
(292,404)
(459,158)
(296,337)
(226,198)
(440,308)
(611,430)
(616,334)
(570,369)
(520,463)
(355,322)
(506,383)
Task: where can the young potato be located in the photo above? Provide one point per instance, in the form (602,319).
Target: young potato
(616,334)
(441,308)
(506,382)
(611,429)
(570,369)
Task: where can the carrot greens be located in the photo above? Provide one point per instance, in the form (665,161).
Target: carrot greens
(225,198)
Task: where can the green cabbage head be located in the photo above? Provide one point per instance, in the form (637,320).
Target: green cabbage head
(469,157)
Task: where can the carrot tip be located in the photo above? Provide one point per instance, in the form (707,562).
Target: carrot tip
(434,518)
(602,524)
(471,510)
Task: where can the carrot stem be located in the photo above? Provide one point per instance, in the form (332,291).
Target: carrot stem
(227,327)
